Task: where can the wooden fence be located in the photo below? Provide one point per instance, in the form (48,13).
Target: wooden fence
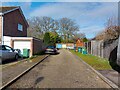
(118,53)
(101,48)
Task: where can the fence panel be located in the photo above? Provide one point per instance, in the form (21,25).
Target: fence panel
(102,49)
(96,48)
(108,48)
(118,53)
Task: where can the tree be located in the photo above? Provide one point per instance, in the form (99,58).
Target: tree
(64,30)
(46,38)
(51,38)
(85,39)
(67,28)
(48,24)
(38,26)
(78,35)
(112,30)
(35,28)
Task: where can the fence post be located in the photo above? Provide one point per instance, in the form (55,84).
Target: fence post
(91,47)
(87,47)
(102,49)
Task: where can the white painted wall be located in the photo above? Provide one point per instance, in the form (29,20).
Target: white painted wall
(6,40)
(21,45)
(64,46)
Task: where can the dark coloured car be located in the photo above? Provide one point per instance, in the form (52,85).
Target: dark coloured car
(51,50)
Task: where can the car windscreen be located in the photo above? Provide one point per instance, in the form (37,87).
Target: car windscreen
(2,47)
(50,47)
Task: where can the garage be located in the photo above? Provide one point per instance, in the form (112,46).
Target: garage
(33,44)
(19,45)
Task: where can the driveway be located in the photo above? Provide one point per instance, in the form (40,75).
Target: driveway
(61,71)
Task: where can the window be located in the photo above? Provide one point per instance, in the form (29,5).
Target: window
(8,49)
(20,27)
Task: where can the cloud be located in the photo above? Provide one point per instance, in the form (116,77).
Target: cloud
(60,1)
(81,12)
(17,0)
(91,30)
(93,15)
(76,10)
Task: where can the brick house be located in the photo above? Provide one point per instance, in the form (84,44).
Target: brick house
(13,23)
(13,30)
(79,43)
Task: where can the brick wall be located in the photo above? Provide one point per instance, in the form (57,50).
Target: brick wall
(37,45)
(10,24)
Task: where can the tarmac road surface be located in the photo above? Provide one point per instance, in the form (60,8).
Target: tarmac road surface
(61,71)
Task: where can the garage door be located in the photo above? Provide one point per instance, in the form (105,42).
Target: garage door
(64,46)
(21,45)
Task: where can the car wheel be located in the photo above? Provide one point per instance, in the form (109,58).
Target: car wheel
(16,57)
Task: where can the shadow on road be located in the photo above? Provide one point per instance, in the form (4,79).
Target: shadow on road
(55,53)
(113,59)
(39,80)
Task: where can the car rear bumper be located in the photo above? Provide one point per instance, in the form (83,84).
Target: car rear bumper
(50,52)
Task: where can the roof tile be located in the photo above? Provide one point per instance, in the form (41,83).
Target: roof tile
(4,9)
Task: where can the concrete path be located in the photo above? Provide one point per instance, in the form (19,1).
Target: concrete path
(61,71)
(112,75)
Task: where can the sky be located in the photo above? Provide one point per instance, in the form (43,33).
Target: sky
(89,16)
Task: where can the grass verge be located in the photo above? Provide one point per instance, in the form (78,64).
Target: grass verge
(94,61)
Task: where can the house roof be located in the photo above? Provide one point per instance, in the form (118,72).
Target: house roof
(8,9)
(5,9)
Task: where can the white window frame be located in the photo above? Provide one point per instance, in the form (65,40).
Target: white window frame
(20,27)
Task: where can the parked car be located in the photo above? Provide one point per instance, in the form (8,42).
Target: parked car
(7,52)
(19,52)
(51,50)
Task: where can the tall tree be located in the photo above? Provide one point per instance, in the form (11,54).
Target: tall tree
(48,24)
(51,38)
(46,38)
(38,26)
(112,30)
(67,28)
(35,28)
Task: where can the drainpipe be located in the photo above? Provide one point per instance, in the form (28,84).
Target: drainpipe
(2,38)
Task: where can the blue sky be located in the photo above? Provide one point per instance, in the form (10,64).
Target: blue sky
(90,16)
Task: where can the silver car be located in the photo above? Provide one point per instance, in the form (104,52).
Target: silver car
(7,52)
(51,50)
